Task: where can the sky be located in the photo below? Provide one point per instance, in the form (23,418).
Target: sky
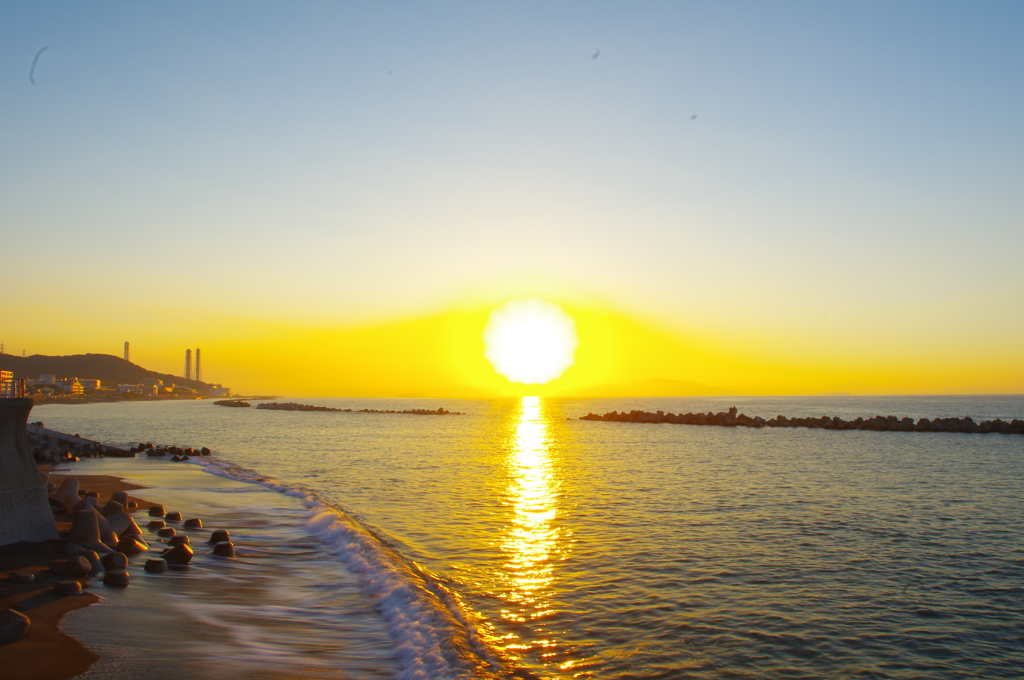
(329,198)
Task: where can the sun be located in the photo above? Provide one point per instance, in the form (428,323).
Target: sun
(530,341)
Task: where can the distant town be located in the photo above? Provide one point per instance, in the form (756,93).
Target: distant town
(108,378)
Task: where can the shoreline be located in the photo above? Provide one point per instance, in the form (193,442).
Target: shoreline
(47,652)
(255,614)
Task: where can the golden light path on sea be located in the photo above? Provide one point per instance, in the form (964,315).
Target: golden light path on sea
(531,541)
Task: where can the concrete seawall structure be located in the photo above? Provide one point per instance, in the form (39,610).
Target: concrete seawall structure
(25,513)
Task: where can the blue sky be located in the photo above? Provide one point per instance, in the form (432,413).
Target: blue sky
(856,162)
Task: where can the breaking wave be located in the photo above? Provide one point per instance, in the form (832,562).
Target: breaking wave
(436,637)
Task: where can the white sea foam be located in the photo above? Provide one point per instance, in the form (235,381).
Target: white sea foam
(435,637)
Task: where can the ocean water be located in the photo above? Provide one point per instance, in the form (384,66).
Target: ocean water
(518,541)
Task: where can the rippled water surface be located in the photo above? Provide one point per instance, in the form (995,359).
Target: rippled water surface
(617,550)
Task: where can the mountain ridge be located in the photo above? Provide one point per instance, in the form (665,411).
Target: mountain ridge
(104,367)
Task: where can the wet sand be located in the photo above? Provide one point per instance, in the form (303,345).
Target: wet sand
(46,653)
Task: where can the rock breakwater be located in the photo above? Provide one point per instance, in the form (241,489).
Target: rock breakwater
(274,406)
(732,418)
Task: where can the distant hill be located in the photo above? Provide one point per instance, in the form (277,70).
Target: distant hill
(105,367)
(655,387)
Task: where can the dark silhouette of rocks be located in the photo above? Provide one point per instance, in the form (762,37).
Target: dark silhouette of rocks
(157,511)
(224,549)
(117,578)
(166,532)
(13,626)
(114,561)
(79,565)
(157,565)
(85,533)
(219,535)
(21,577)
(179,555)
(732,418)
(173,517)
(233,403)
(130,545)
(180,539)
(111,507)
(64,588)
(193,523)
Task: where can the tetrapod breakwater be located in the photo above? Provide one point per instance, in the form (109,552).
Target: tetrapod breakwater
(732,418)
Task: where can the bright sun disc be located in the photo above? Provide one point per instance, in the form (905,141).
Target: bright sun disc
(530,341)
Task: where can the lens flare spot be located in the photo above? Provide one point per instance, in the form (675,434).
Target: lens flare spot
(530,341)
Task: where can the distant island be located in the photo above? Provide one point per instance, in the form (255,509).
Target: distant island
(82,378)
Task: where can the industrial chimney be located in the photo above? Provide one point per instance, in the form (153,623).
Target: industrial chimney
(188,364)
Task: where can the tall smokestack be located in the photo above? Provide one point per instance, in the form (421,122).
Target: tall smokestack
(188,364)
(199,367)
(126,351)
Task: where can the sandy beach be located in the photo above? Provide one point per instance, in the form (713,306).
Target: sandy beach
(46,653)
(263,614)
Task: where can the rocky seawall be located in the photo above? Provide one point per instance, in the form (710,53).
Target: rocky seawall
(732,418)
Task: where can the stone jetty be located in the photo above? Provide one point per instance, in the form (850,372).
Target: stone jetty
(274,406)
(53,448)
(732,418)
(234,403)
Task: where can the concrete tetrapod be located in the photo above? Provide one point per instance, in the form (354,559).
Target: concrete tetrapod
(13,626)
(156,511)
(156,525)
(180,539)
(224,549)
(120,497)
(124,524)
(194,523)
(85,533)
(21,577)
(79,565)
(110,508)
(67,492)
(179,555)
(117,578)
(219,535)
(157,565)
(173,517)
(114,561)
(88,501)
(166,532)
(131,545)
(68,588)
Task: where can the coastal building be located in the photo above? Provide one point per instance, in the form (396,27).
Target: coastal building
(90,383)
(219,390)
(71,386)
(47,379)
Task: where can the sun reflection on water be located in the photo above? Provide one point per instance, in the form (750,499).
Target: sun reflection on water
(532,543)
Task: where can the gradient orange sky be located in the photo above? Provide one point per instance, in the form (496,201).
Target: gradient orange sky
(329,198)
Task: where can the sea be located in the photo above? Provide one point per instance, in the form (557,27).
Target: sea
(516,541)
